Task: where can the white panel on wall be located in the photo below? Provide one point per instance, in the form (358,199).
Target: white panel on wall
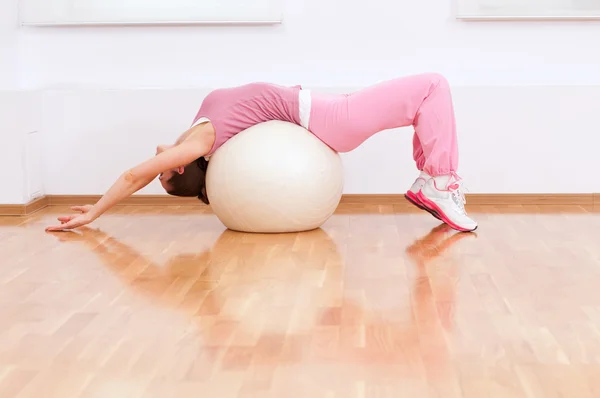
(528,9)
(34,176)
(20,114)
(117,12)
(11,191)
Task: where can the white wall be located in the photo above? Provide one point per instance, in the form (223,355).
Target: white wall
(335,43)
(12,187)
(8,44)
(526,94)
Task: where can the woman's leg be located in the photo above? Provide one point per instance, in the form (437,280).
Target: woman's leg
(418,154)
(424,101)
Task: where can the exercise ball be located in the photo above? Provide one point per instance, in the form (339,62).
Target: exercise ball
(274,177)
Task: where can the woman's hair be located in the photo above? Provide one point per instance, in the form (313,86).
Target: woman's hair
(192,182)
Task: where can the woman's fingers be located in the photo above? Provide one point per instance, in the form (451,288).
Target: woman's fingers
(74,222)
(60,227)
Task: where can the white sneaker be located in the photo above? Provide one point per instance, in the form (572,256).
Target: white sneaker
(412,194)
(444,196)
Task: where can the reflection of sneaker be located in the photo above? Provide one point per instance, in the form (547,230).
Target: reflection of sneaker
(444,196)
(411,194)
(435,243)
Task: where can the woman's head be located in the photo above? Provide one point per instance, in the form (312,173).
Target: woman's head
(189,181)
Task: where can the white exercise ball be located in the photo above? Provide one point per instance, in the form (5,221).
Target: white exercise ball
(274,177)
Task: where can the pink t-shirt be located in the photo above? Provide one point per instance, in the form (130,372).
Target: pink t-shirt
(232,110)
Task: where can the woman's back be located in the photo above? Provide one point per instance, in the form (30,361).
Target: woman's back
(235,109)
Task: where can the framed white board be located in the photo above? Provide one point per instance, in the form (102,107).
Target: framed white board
(149,12)
(528,9)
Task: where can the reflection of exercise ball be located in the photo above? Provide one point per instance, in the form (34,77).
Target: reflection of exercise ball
(271,285)
(274,177)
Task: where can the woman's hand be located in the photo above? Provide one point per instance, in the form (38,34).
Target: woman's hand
(74,220)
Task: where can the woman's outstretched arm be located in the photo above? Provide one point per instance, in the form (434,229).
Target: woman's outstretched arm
(135,179)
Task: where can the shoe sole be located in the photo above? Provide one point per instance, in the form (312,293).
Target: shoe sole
(433,207)
(412,198)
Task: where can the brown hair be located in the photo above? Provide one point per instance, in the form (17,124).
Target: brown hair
(192,182)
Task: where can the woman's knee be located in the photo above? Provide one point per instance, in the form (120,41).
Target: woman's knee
(436,79)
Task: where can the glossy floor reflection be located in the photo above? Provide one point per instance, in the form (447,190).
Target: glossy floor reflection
(164,302)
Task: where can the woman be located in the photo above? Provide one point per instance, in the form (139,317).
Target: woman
(343,122)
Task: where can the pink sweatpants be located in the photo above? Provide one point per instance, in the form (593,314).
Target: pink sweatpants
(345,121)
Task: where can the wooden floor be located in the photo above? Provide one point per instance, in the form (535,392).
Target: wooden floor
(164,302)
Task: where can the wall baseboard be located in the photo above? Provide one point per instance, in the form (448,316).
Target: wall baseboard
(487,199)
(585,200)
(134,200)
(25,209)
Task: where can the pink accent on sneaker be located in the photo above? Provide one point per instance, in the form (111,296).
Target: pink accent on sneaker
(413,196)
(414,199)
(435,208)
